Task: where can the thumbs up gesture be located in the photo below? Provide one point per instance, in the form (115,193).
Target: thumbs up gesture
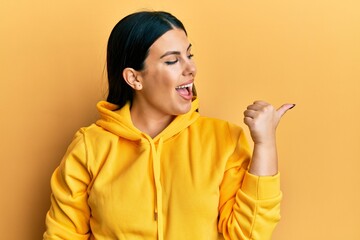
(262,119)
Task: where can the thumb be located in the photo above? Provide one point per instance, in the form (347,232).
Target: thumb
(284,108)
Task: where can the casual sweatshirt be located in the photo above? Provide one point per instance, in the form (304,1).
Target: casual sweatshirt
(189,182)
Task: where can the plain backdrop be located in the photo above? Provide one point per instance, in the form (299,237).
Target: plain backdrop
(52,73)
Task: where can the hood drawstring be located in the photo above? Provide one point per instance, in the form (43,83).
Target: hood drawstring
(158,189)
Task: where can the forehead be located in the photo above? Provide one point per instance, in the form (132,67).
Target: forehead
(172,40)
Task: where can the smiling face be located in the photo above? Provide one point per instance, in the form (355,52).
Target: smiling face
(168,76)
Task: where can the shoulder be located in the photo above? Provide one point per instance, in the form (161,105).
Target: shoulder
(95,131)
(96,142)
(218,124)
(93,137)
(223,131)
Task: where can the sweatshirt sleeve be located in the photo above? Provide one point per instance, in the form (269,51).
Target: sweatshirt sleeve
(68,217)
(249,206)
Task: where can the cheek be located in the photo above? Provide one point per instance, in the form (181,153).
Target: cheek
(169,79)
(163,79)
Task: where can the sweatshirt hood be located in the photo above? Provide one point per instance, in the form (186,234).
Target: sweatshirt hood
(118,121)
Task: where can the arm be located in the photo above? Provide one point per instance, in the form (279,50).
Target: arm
(250,194)
(68,217)
(249,206)
(262,120)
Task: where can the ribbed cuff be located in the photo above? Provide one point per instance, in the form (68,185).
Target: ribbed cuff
(261,187)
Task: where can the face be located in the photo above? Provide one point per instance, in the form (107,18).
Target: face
(168,76)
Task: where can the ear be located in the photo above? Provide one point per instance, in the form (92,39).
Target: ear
(132,77)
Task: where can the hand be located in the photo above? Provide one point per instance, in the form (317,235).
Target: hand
(262,120)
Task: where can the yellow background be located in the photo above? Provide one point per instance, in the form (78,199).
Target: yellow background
(52,72)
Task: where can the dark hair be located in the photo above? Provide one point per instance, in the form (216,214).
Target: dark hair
(128,46)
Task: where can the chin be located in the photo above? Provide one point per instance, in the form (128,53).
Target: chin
(184,109)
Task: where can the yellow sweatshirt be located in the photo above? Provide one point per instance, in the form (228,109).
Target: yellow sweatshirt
(189,182)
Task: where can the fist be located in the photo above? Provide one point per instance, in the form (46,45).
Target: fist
(262,119)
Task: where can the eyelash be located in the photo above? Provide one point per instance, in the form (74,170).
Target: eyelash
(173,62)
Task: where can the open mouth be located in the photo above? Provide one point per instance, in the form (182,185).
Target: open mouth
(185,91)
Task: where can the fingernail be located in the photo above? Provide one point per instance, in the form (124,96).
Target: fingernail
(292,106)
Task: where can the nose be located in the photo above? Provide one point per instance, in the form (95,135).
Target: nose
(190,67)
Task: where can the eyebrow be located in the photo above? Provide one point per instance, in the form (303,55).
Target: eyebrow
(174,52)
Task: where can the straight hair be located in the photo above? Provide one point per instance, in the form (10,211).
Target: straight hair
(128,46)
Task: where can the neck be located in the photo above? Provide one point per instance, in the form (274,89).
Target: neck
(148,122)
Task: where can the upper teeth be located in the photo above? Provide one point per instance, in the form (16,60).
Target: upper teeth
(185,86)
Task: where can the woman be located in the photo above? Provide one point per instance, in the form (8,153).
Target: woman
(152,167)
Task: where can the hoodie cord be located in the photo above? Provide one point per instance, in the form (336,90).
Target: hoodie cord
(158,189)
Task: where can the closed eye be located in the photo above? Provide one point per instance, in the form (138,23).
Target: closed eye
(171,62)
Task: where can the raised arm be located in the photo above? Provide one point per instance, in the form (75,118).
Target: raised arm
(262,120)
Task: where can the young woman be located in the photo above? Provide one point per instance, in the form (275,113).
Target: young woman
(151,167)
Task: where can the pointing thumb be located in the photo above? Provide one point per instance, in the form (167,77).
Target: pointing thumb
(284,108)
